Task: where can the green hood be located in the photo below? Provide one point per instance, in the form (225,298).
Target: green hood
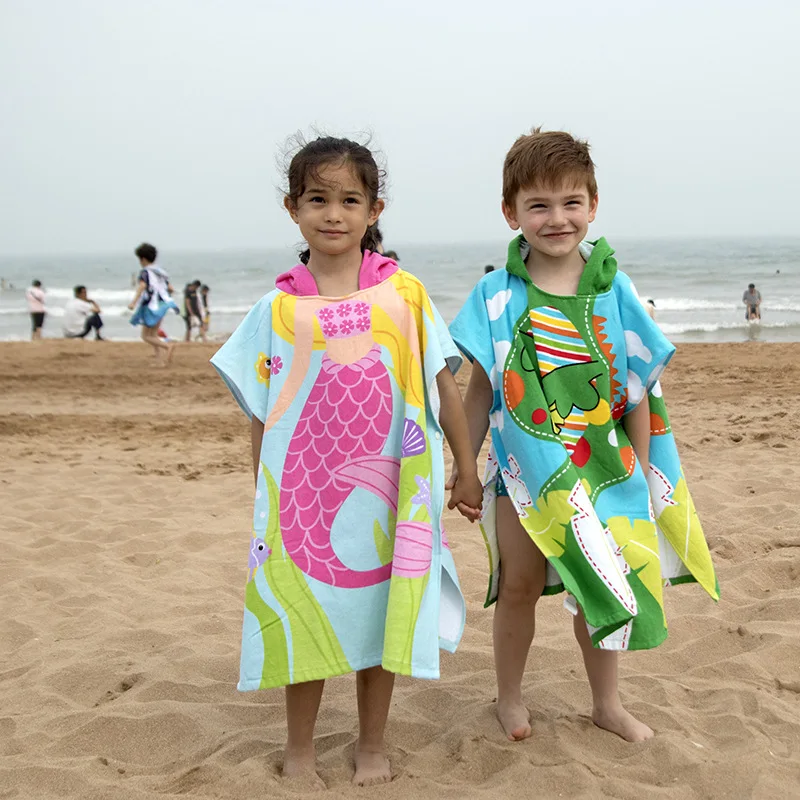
(598,274)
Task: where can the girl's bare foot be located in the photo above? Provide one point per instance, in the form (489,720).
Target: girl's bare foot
(515,720)
(170,352)
(623,723)
(372,766)
(300,766)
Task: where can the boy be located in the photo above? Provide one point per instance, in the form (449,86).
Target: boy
(565,369)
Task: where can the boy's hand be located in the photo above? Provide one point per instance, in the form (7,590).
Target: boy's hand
(466,494)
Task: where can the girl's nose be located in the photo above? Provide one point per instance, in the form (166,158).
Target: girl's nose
(334,212)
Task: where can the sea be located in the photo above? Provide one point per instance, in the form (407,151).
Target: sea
(696,284)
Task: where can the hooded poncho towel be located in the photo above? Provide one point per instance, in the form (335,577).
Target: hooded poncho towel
(349,566)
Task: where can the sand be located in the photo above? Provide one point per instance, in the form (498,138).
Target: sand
(126,496)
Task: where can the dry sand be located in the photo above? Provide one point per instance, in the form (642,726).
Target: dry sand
(126,498)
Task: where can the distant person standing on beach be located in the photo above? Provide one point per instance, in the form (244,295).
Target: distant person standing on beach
(35,297)
(752,302)
(204,308)
(650,308)
(192,315)
(488,268)
(153,300)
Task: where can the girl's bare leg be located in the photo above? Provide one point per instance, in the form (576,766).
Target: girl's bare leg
(151,337)
(374,688)
(522,577)
(302,707)
(602,671)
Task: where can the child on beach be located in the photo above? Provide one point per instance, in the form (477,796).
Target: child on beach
(345,370)
(566,364)
(152,302)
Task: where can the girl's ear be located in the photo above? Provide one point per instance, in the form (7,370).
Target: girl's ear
(291,208)
(376,211)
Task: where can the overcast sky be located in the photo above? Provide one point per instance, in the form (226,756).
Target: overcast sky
(161,119)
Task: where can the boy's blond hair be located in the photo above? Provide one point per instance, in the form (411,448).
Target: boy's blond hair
(548,159)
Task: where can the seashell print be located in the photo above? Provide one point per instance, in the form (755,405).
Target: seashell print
(413,439)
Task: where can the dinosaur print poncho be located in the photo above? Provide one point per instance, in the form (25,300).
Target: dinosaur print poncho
(565,370)
(348,566)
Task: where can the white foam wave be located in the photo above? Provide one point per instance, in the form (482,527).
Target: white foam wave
(698,304)
(98,295)
(670,328)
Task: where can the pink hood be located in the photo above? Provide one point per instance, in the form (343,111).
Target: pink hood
(375,269)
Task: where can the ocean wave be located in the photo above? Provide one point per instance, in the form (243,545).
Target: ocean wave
(698,304)
(670,328)
(98,295)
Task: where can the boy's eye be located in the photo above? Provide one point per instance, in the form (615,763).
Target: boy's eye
(538,206)
(573,202)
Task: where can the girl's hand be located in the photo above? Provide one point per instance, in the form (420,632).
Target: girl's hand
(130,306)
(466,494)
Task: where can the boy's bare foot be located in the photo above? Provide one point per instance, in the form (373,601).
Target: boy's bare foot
(515,720)
(372,766)
(300,766)
(170,352)
(623,723)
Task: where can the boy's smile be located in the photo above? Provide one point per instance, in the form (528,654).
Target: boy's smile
(554,221)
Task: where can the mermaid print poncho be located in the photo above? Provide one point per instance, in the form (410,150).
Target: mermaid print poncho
(348,566)
(565,370)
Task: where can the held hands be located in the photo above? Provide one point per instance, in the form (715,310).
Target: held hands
(466,494)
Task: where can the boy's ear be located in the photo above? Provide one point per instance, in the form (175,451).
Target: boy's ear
(290,207)
(511,216)
(593,208)
(376,211)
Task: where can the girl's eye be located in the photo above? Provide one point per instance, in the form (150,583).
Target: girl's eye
(316,199)
(352,200)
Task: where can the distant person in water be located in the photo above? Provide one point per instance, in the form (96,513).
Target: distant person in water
(393,255)
(488,268)
(35,297)
(153,300)
(81,316)
(650,308)
(752,303)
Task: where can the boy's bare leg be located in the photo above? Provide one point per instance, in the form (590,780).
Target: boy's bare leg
(602,671)
(374,687)
(302,707)
(522,576)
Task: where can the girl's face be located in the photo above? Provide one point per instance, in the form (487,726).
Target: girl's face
(334,211)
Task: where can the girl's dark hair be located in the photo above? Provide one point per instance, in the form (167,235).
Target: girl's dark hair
(312,156)
(147,252)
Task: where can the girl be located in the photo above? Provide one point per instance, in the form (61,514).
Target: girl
(345,370)
(152,301)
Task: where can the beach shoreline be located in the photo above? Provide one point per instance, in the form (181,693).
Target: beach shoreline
(126,496)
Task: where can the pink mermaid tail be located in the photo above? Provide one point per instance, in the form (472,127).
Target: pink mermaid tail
(337,446)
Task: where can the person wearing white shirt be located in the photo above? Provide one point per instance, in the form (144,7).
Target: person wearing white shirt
(35,297)
(81,316)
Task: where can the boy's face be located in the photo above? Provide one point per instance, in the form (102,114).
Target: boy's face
(554,221)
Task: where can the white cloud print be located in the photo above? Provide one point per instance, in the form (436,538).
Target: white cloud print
(636,347)
(497,305)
